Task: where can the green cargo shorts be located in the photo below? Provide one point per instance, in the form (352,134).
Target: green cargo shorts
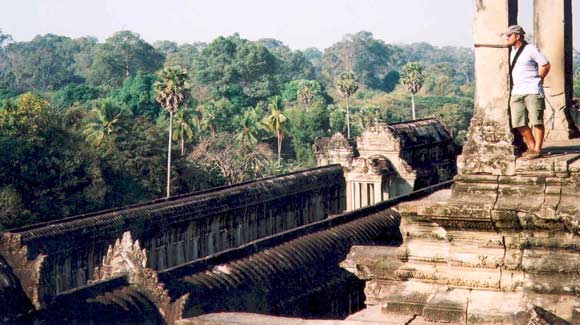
(527,109)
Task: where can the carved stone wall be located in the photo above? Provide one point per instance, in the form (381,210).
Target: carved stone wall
(388,160)
(62,255)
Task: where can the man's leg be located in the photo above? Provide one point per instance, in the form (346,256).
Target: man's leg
(538,137)
(535,106)
(519,120)
(526,133)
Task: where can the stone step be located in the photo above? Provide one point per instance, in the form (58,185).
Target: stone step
(439,303)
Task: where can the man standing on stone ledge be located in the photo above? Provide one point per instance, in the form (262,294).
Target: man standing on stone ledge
(528,68)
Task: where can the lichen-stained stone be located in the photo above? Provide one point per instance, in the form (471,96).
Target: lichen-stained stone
(503,219)
(553,33)
(512,280)
(409,298)
(475,257)
(427,251)
(552,198)
(537,167)
(552,283)
(569,207)
(551,240)
(488,307)
(374,262)
(488,148)
(576,315)
(574,166)
(553,304)
(444,274)
(550,261)
(447,306)
(519,193)
(513,258)
(415,227)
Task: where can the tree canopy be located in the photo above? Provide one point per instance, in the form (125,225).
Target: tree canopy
(83,122)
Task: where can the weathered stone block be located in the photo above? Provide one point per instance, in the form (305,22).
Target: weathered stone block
(505,219)
(444,274)
(536,167)
(448,306)
(409,298)
(512,280)
(552,261)
(428,251)
(552,283)
(465,255)
(488,307)
(374,262)
(513,258)
(552,198)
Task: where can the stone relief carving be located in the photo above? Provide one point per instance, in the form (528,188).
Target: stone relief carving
(28,271)
(127,257)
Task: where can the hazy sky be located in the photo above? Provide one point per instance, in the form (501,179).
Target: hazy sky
(298,23)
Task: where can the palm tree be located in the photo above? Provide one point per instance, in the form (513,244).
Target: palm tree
(209,114)
(170,94)
(183,127)
(276,121)
(347,86)
(305,93)
(249,128)
(413,78)
(105,119)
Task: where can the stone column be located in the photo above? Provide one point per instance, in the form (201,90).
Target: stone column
(378,192)
(489,148)
(364,194)
(357,195)
(349,195)
(553,36)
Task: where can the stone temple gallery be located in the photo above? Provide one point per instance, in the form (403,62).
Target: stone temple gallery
(394,227)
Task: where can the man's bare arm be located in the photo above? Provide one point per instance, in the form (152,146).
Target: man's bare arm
(543,70)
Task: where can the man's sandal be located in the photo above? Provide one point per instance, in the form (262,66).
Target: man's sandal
(531,154)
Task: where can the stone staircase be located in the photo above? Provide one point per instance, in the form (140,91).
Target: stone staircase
(492,250)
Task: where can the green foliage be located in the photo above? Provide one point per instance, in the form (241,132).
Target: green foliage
(304,127)
(390,81)
(25,116)
(106,118)
(170,88)
(77,160)
(123,55)
(412,77)
(275,121)
(314,55)
(291,64)
(183,128)
(347,84)
(368,58)
(138,95)
(184,55)
(308,90)
(44,63)
(237,69)
(249,127)
(217,114)
(45,175)
(459,59)
(337,118)
(72,95)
